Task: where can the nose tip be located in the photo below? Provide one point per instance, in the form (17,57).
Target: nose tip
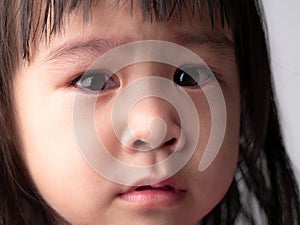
(151,138)
(152,126)
(159,136)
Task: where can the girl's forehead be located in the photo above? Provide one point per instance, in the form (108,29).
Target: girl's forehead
(116,13)
(127,21)
(48,18)
(109,27)
(128,18)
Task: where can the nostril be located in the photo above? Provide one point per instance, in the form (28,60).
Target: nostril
(138,143)
(172,141)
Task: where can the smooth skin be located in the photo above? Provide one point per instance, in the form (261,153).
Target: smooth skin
(44,101)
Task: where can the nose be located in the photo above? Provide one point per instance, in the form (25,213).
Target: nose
(153,123)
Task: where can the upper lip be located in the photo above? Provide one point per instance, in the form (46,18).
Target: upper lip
(168,184)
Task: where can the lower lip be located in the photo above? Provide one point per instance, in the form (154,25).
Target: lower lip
(153,198)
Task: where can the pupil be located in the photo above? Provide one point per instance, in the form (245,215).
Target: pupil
(183,79)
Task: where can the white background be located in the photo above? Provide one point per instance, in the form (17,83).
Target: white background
(283,21)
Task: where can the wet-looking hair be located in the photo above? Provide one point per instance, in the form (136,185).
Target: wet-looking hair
(264,180)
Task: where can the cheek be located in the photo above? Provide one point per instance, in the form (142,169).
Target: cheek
(50,151)
(212,184)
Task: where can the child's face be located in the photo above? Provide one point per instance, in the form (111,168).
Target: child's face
(44,102)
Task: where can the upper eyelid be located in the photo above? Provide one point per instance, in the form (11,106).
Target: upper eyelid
(103,71)
(204,66)
(182,67)
(216,72)
(82,74)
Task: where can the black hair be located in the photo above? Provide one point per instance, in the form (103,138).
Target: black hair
(264,178)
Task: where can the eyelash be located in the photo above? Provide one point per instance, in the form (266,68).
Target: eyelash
(104,75)
(191,74)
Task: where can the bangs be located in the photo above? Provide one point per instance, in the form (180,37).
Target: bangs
(45,18)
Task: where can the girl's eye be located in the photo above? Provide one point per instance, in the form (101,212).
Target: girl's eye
(192,76)
(97,81)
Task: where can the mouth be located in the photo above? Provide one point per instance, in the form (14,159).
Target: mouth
(165,194)
(149,187)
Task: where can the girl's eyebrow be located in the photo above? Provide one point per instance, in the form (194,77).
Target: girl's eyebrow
(216,39)
(93,47)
